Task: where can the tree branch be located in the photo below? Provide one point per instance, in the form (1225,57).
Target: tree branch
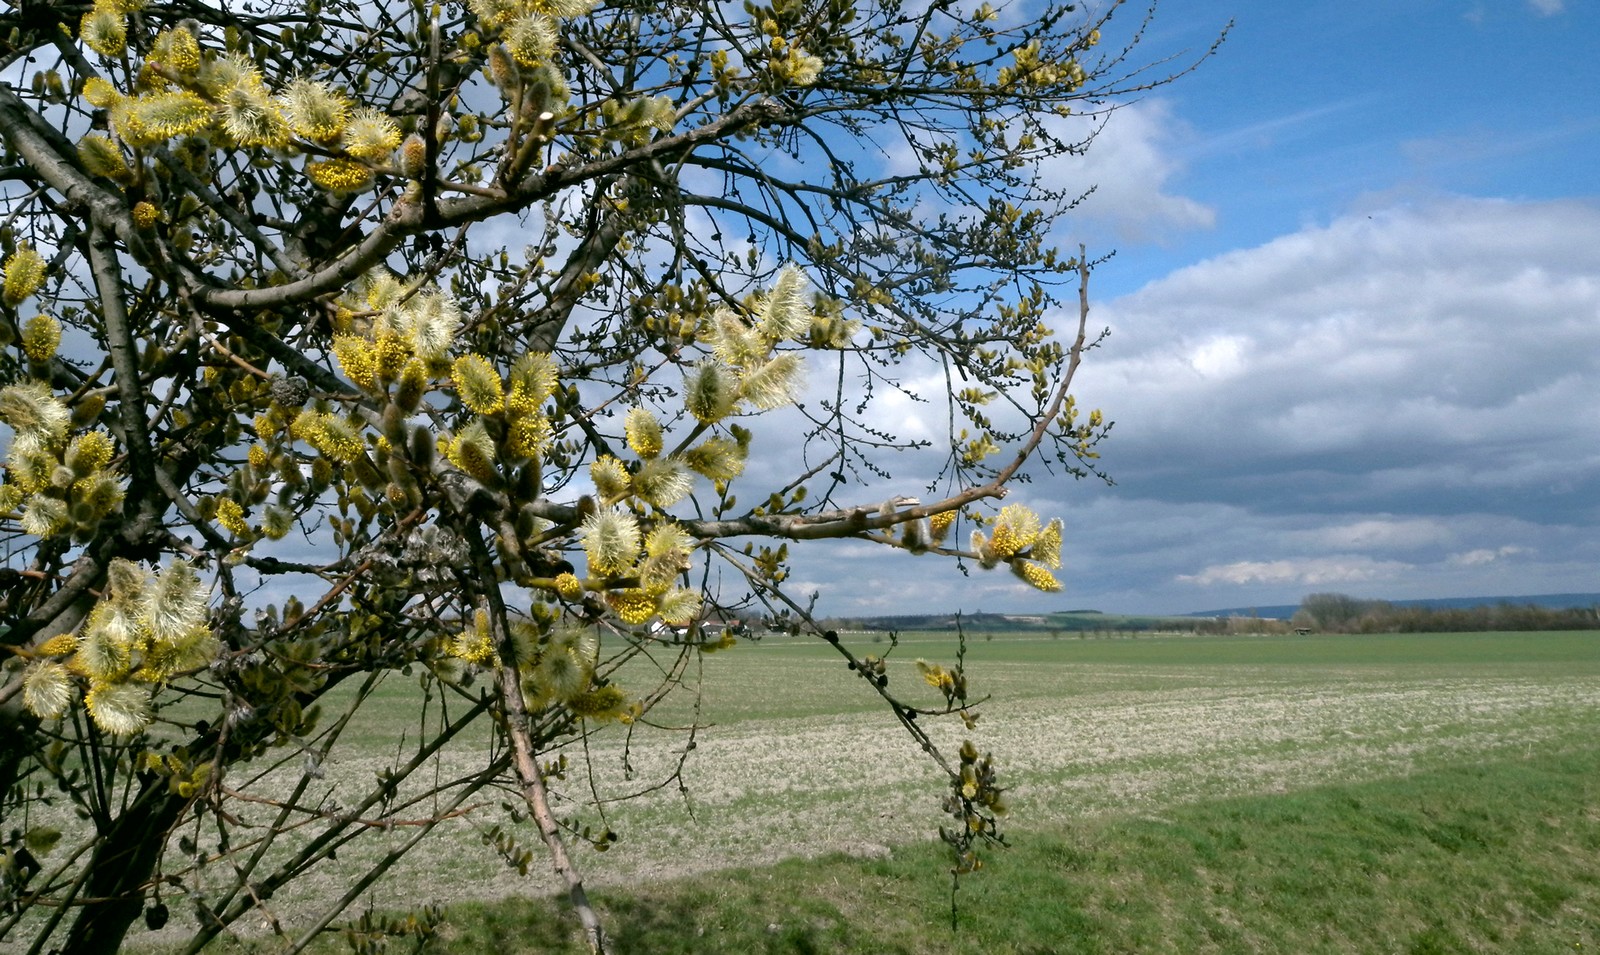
(525,756)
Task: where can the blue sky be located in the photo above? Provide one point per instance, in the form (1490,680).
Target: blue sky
(1356,318)
(1312,110)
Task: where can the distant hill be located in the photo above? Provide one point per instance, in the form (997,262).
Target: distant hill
(1095,620)
(1273,612)
(1548,601)
(1051,622)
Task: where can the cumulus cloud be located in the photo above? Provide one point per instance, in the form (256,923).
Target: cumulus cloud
(1127,551)
(1400,405)
(1132,168)
(1435,355)
(1396,405)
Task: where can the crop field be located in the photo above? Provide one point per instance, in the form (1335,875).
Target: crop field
(796,758)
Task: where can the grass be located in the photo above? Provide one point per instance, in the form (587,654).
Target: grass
(784,676)
(1427,793)
(1498,857)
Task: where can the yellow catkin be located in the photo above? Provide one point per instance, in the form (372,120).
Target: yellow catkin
(41,336)
(355,358)
(390,354)
(370,136)
(231,516)
(601,703)
(478,384)
(1004,543)
(57,646)
(145,215)
(1015,530)
(315,111)
(413,156)
(1047,547)
(24,273)
(104,31)
(169,115)
(99,155)
(473,452)
(90,452)
(100,93)
(643,432)
(634,606)
(178,50)
(528,437)
(338,440)
(1036,576)
(329,434)
(339,175)
(474,646)
(609,477)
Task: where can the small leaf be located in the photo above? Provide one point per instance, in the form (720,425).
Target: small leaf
(41,840)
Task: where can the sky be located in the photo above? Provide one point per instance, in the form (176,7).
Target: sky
(1355,322)
(1354,313)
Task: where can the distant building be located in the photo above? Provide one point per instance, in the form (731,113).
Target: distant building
(708,628)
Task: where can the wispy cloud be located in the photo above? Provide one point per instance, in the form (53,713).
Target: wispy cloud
(1265,132)
(1485,145)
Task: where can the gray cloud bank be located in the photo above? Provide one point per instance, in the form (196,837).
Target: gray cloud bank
(1402,404)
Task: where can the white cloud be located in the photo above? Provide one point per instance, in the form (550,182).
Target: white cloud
(1124,551)
(1132,167)
(1308,572)
(1459,338)
(1485,555)
(1220,357)
(1401,404)
(1383,533)
(1397,406)
(1129,170)
(1547,8)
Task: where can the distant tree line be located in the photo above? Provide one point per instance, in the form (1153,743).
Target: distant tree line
(1341,613)
(1237,625)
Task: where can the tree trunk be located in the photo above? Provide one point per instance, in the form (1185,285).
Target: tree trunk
(124,858)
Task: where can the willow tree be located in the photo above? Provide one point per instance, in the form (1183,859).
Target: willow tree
(288,410)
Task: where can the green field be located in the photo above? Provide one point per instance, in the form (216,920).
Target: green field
(1424,793)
